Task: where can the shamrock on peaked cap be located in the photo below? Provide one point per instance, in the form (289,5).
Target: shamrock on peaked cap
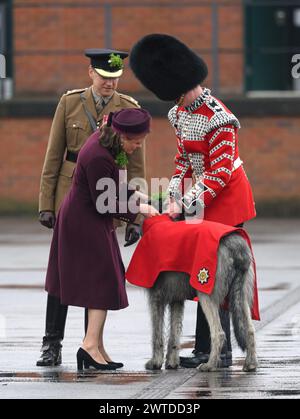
(166,66)
(107,62)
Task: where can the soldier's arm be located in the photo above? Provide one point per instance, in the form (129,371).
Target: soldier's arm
(222,144)
(183,171)
(53,159)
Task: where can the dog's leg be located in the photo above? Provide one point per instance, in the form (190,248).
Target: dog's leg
(217,335)
(157,317)
(251,360)
(176,317)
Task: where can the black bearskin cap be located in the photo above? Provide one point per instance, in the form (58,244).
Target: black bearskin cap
(166,66)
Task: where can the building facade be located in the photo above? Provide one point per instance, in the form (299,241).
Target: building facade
(251,51)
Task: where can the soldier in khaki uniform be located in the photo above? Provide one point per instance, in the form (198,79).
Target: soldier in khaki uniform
(78,114)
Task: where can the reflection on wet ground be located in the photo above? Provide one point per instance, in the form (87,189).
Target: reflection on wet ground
(91,376)
(277,287)
(188,344)
(23,262)
(234,383)
(278,375)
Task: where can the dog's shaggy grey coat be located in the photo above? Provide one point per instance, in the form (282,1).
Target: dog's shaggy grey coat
(235,279)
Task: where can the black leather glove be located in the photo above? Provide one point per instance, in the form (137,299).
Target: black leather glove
(47,219)
(132,234)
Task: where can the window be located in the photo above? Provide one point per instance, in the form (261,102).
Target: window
(6,73)
(272,40)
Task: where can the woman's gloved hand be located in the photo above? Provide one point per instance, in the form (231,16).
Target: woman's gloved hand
(47,219)
(132,234)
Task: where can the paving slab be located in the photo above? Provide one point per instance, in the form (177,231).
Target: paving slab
(24,250)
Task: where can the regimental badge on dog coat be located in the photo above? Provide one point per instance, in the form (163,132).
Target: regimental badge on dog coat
(203,276)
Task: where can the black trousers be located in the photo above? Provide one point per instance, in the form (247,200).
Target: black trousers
(202,341)
(56,315)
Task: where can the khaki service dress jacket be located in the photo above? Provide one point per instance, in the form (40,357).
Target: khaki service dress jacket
(69,131)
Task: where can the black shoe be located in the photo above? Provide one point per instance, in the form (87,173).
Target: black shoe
(202,358)
(51,355)
(115,364)
(84,360)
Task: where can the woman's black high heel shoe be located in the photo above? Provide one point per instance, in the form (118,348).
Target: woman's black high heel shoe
(116,364)
(84,360)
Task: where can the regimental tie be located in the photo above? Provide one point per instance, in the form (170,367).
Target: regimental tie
(100,104)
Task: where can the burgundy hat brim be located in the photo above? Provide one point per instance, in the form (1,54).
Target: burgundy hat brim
(133,122)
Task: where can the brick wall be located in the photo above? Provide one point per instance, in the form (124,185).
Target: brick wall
(49,41)
(269,148)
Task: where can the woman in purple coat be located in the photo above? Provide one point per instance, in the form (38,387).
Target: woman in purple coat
(85,267)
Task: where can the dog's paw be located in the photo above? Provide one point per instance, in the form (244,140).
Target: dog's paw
(250,363)
(207,367)
(250,367)
(171,365)
(172,361)
(151,365)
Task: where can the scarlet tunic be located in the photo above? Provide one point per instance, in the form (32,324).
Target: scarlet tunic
(207,150)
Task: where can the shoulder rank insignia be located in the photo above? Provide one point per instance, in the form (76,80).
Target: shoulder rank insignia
(129,99)
(70,92)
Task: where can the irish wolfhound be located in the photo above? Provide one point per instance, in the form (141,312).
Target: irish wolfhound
(234,279)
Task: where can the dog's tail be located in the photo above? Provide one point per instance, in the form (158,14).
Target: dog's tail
(241,294)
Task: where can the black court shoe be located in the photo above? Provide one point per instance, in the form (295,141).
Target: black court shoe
(116,364)
(84,360)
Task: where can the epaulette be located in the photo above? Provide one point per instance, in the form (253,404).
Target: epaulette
(129,99)
(71,92)
(221,116)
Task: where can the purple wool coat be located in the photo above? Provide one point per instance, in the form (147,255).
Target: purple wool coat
(85,268)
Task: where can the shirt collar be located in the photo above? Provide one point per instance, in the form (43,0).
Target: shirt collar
(198,101)
(96,97)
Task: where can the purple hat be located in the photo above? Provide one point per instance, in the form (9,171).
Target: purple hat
(132,121)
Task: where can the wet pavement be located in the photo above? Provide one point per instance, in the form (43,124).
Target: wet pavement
(24,247)
(278,375)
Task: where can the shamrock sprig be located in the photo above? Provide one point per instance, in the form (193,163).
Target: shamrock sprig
(121,159)
(115,61)
(159,196)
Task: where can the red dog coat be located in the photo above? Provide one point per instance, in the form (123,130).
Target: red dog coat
(184,247)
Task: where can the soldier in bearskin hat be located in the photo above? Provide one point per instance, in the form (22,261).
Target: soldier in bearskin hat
(207,153)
